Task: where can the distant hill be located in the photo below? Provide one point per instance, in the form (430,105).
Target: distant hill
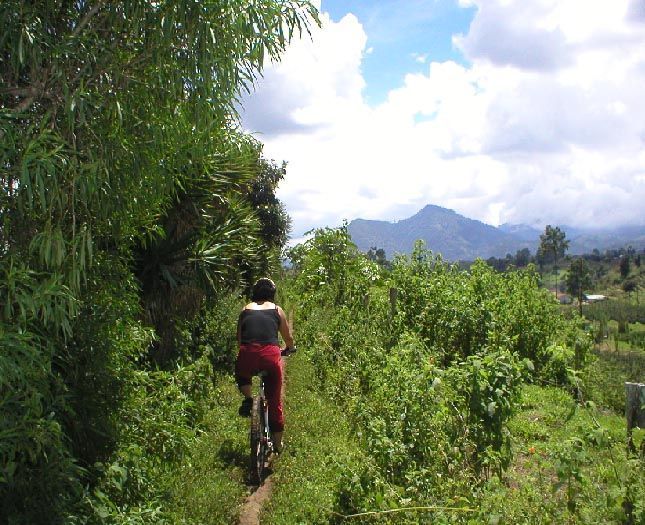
(459,238)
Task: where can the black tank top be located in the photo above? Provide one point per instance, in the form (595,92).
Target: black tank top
(259,326)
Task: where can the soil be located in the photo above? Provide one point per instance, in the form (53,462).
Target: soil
(250,513)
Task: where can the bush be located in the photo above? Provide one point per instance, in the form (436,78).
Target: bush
(430,382)
(558,365)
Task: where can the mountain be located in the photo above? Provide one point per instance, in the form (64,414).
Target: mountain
(459,238)
(445,231)
(585,241)
(522,231)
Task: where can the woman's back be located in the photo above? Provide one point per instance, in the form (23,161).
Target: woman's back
(259,325)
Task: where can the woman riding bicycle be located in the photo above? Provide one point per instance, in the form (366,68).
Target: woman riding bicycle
(257,336)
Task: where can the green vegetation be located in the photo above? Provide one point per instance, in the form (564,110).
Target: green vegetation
(322,455)
(553,244)
(132,209)
(134,214)
(445,383)
(578,280)
(570,466)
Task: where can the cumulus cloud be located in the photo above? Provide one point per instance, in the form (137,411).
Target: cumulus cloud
(636,11)
(545,123)
(314,84)
(514,34)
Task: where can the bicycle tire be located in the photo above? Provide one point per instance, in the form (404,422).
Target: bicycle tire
(258,447)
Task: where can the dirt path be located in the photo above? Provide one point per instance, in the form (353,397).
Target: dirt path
(250,513)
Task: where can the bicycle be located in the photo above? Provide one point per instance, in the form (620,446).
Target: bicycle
(262,447)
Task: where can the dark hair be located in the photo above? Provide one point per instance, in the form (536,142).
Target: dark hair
(263,290)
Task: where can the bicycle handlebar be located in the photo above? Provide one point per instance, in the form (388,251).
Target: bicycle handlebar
(288,351)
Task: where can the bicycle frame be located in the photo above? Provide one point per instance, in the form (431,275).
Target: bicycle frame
(265,411)
(262,446)
(260,435)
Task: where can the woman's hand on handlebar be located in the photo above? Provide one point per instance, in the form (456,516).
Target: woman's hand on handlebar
(288,351)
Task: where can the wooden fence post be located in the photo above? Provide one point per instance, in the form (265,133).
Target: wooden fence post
(634,411)
(393,296)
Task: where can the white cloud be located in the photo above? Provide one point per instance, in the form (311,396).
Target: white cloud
(546,124)
(420,58)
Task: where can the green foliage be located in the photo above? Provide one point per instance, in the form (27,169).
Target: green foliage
(207,242)
(208,485)
(615,309)
(570,466)
(568,461)
(428,361)
(328,264)
(554,243)
(323,469)
(430,374)
(462,312)
(603,379)
(214,333)
(119,133)
(271,212)
(578,279)
(377,255)
(35,461)
(559,365)
(490,383)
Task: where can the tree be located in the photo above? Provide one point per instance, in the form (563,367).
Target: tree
(578,278)
(522,257)
(553,243)
(377,255)
(275,223)
(629,286)
(327,264)
(625,266)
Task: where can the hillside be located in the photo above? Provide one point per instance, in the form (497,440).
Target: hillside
(459,238)
(444,231)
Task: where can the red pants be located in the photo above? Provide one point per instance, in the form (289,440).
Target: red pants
(253,358)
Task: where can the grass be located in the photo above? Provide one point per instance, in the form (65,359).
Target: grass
(320,452)
(570,463)
(570,466)
(209,487)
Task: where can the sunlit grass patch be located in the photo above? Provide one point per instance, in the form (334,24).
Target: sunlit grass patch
(320,451)
(209,487)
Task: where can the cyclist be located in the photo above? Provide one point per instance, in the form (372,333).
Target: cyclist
(257,336)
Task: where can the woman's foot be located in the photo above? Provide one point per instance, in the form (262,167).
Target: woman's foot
(277,442)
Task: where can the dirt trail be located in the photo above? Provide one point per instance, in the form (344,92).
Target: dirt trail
(250,513)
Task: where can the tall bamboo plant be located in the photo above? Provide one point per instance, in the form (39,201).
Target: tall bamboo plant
(105,112)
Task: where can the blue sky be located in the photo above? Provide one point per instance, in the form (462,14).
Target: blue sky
(403,37)
(518,111)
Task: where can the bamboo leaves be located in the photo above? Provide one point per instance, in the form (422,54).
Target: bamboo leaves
(119,143)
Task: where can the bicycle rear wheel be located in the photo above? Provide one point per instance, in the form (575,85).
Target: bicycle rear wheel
(258,443)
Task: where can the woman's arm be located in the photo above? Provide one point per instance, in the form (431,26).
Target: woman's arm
(285,331)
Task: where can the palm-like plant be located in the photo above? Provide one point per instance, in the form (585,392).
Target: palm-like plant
(208,241)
